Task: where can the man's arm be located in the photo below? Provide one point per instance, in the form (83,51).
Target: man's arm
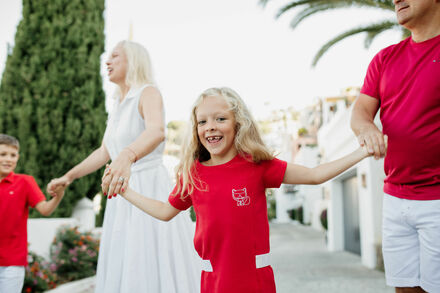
(362,124)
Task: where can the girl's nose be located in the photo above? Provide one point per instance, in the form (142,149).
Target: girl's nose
(211,126)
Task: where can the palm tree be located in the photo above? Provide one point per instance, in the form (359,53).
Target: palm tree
(311,7)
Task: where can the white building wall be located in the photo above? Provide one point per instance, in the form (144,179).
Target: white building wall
(310,195)
(284,201)
(336,140)
(42,231)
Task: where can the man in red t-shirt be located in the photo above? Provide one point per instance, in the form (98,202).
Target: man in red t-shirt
(17,193)
(403,80)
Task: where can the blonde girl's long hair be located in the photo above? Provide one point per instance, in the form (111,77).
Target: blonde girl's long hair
(139,69)
(247,141)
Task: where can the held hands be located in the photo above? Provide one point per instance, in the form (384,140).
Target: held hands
(117,174)
(59,191)
(57,186)
(374,141)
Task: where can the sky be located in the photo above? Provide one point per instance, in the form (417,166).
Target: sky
(197,44)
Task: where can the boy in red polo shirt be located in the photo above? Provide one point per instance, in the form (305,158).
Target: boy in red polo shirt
(17,193)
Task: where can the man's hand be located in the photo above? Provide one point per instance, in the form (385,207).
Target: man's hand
(374,140)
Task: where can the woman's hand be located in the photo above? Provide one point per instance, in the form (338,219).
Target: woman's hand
(58,185)
(117,174)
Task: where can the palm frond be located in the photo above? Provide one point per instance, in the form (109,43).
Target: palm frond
(263,2)
(405,33)
(333,4)
(374,29)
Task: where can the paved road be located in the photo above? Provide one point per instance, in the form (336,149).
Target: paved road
(303,265)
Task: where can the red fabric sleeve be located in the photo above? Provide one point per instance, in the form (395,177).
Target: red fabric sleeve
(371,82)
(273,173)
(34,194)
(176,200)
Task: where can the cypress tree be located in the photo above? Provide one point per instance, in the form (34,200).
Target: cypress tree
(51,95)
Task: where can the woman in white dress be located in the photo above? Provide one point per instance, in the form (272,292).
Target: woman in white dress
(137,253)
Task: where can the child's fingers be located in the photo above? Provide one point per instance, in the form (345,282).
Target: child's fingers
(124,187)
(118,185)
(106,184)
(361,140)
(112,186)
(106,171)
(385,137)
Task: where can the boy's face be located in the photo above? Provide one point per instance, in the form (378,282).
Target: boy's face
(8,159)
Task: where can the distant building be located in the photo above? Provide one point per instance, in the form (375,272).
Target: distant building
(354,198)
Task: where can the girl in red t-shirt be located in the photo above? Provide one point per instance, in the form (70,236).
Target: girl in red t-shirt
(223,173)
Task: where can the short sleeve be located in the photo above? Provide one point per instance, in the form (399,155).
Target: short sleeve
(372,78)
(34,193)
(273,172)
(176,200)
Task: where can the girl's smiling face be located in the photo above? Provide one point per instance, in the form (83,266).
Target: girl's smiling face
(216,129)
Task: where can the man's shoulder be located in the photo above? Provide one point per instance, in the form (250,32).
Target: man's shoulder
(392,48)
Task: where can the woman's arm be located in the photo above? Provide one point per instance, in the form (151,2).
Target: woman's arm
(151,109)
(297,174)
(155,208)
(93,162)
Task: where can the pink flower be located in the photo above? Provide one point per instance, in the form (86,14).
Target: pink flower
(74,259)
(53,267)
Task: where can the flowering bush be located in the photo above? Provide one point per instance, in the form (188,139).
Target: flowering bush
(74,254)
(40,275)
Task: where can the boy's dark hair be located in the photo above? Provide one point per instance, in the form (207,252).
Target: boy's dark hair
(9,140)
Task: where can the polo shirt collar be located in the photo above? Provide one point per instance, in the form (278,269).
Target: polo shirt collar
(9,178)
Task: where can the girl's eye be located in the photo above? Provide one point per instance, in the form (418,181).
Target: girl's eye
(221,119)
(201,122)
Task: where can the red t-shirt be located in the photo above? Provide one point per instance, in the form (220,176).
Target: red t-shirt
(232,226)
(17,193)
(406,79)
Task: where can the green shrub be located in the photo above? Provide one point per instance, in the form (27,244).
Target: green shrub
(296,214)
(323,218)
(192,214)
(51,95)
(271,205)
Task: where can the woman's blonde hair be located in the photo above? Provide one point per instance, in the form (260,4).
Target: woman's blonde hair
(247,141)
(139,69)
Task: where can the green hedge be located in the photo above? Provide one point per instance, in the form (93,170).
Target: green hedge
(51,95)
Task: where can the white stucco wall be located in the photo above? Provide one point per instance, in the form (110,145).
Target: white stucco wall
(311,195)
(41,231)
(335,140)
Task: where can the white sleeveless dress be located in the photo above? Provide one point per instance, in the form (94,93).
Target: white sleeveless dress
(139,254)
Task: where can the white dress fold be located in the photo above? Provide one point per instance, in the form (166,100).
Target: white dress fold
(137,252)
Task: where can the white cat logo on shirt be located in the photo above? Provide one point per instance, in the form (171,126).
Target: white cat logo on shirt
(241,197)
